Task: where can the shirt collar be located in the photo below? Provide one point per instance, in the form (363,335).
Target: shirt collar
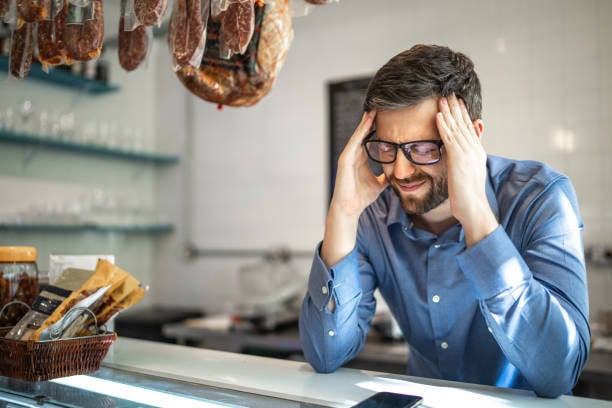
(490,192)
(397,215)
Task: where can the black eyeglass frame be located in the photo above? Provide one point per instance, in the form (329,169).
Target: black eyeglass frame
(400,146)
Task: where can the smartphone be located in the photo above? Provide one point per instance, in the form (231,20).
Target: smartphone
(389,400)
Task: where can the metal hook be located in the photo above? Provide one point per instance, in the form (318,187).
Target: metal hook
(55,331)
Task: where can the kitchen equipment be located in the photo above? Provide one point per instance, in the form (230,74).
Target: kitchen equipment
(270,293)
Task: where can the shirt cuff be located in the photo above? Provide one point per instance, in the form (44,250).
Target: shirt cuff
(340,281)
(494,265)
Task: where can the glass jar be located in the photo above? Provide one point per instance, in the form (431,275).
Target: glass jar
(18,281)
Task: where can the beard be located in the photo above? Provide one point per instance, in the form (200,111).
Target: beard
(436,195)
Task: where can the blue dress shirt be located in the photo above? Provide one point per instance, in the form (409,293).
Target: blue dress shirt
(510,311)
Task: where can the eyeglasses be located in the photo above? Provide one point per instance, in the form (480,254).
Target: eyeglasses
(421,152)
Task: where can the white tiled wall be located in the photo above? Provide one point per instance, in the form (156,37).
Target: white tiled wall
(545,68)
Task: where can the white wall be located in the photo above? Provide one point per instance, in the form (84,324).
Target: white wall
(260,176)
(544,65)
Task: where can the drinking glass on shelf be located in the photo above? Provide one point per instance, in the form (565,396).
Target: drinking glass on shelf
(113,132)
(72,210)
(100,207)
(127,138)
(67,123)
(9,119)
(89,132)
(107,134)
(43,124)
(103,132)
(26,111)
(54,125)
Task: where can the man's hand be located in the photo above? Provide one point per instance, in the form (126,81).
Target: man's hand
(466,159)
(356,188)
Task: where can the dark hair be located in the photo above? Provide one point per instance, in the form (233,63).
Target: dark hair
(422,72)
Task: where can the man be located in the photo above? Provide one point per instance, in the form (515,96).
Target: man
(479,258)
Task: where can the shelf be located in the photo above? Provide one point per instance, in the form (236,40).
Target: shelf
(127,229)
(40,141)
(62,78)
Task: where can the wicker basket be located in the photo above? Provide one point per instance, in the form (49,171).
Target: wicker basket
(44,360)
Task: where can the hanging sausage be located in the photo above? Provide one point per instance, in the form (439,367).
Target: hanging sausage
(84,31)
(33,11)
(244,79)
(50,36)
(133,41)
(187,32)
(150,12)
(22,44)
(237,25)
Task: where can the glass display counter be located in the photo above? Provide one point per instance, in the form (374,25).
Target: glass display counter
(111,387)
(138,373)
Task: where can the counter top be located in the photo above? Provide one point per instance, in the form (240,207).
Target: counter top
(378,354)
(297,381)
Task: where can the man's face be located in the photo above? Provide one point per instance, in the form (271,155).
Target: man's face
(420,188)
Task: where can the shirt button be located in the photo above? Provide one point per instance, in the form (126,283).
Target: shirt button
(444,345)
(437,246)
(331,333)
(324,290)
(435,298)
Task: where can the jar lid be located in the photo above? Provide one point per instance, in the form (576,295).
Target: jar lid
(17,254)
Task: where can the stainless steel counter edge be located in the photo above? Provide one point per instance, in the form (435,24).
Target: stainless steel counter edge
(297,381)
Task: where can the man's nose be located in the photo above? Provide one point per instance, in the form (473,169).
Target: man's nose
(402,167)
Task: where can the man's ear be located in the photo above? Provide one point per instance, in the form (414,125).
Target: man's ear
(478,127)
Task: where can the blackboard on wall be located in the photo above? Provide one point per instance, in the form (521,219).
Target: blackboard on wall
(345,111)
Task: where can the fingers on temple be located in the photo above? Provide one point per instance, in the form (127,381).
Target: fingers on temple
(446,122)
(464,125)
(464,113)
(443,128)
(366,123)
(453,102)
(363,129)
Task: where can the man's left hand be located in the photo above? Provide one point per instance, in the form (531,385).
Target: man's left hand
(467,172)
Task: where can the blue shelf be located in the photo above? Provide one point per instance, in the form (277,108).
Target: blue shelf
(62,78)
(129,229)
(39,141)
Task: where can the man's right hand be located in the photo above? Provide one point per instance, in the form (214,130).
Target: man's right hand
(356,188)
